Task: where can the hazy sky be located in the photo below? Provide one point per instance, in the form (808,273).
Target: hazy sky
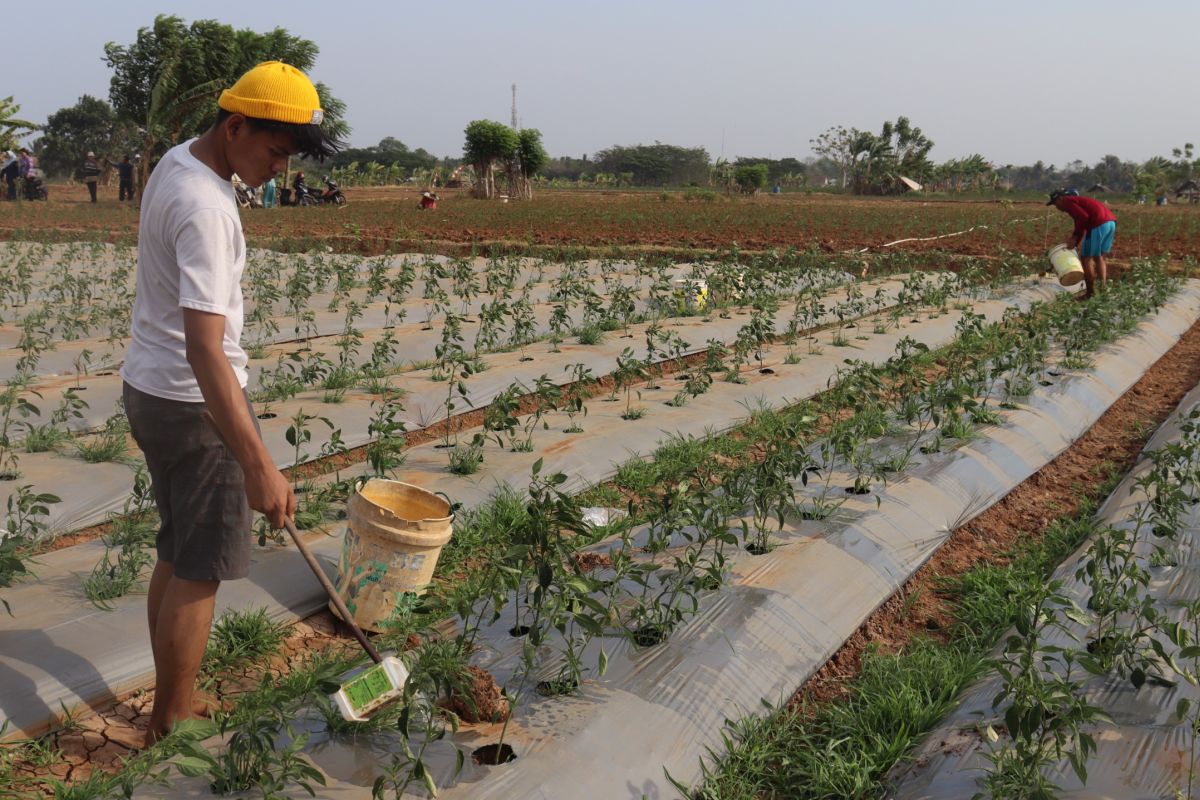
(1015,81)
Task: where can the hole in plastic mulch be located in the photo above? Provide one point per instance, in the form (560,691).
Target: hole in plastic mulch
(491,755)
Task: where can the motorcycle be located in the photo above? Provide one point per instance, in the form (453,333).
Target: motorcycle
(303,195)
(333,193)
(35,186)
(242,193)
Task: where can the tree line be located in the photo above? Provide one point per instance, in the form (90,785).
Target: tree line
(165,85)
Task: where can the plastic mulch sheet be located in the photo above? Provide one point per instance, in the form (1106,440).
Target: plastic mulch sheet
(90,492)
(1144,752)
(58,648)
(783,615)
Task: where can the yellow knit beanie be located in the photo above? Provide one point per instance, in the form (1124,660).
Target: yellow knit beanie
(276,91)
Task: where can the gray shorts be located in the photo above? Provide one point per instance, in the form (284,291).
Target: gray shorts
(199,487)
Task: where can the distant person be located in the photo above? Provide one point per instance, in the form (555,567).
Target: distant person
(27,164)
(299,188)
(428,201)
(9,171)
(1095,227)
(268,193)
(184,376)
(28,169)
(124,180)
(91,173)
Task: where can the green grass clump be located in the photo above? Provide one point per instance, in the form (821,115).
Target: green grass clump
(242,637)
(846,747)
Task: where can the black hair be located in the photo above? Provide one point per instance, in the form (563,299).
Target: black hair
(310,141)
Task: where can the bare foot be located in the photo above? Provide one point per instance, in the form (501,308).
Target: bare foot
(204,705)
(155,733)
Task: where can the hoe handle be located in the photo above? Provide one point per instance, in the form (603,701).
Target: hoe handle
(334,597)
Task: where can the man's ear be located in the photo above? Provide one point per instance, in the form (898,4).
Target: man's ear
(234,124)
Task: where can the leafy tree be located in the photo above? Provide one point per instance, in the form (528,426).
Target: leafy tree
(972,172)
(168,80)
(1185,163)
(11,126)
(390,152)
(838,144)
(784,171)
(750,177)
(532,158)
(655,165)
(487,143)
(90,124)
(878,161)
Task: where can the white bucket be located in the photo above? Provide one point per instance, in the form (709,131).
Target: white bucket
(393,540)
(1066,265)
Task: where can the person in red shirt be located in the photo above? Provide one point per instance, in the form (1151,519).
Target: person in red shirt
(1095,227)
(428,201)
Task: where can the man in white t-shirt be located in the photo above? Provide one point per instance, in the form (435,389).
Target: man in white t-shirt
(185,371)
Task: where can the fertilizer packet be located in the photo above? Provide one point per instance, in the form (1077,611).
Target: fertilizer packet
(598,517)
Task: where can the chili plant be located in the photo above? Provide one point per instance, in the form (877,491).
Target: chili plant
(1046,713)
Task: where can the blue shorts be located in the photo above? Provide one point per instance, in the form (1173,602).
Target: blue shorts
(1098,241)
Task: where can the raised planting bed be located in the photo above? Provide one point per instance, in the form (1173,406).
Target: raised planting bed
(1122,612)
(351,381)
(107,642)
(767,612)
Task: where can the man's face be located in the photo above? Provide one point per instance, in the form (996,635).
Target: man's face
(256,155)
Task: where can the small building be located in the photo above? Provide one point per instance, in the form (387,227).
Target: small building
(1188,190)
(1098,188)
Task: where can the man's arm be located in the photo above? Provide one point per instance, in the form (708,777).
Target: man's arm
(1081,219)
(266,488)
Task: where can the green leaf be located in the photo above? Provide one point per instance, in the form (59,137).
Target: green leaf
(191,766)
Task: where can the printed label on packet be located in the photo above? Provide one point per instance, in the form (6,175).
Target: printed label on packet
(367,687)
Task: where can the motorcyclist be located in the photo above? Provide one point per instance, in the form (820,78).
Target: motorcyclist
(332,190)
(299,187)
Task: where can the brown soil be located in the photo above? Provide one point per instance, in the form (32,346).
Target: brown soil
(671,224)
(588,562)
(101,741)
(486,702)
(921,608)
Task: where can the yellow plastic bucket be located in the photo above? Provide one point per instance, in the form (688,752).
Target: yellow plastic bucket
(1066,265)
(395,534)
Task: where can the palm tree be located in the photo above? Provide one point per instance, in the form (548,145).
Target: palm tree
(10,124)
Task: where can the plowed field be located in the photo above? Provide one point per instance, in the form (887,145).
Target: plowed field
(377,220)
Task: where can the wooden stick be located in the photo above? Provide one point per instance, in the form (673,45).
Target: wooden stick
(334,597)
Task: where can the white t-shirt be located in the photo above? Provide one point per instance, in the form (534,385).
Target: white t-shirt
(191,254)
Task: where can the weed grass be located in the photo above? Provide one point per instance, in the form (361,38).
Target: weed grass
(844,748)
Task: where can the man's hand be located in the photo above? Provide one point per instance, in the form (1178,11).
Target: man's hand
(270,493)
(266,488)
